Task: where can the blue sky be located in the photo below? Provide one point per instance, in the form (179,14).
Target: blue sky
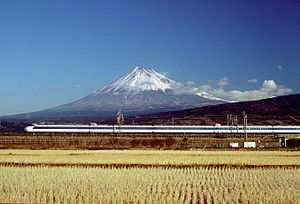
(54,52)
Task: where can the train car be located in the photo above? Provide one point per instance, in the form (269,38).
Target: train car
(70,128)
(163,129)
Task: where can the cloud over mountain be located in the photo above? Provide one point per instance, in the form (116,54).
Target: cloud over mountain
(223,82)
(268,89)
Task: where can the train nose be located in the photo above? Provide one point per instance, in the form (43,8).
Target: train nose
(27,129)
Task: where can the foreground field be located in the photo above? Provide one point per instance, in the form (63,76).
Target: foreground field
(150,157)
(149,177)
(152,185)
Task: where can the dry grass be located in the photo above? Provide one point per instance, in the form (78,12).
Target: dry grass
(151,157)
(149,176)
(153,185)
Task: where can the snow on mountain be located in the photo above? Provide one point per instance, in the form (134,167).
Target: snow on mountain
(139,79)
(140,91)
(211,97)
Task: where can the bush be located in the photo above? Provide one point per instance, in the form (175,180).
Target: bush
(135,143)
(156,142)
(170,141)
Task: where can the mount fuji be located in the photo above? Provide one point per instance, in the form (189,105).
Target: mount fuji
(140,91)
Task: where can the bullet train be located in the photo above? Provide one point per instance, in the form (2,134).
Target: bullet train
(162,129)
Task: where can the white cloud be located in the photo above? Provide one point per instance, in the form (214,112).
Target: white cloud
(280,67)
(190,83)
(187,88)
(269,85)
(252,80)
(268,89)
(237,95)
(282,90)
(223,82)
(204,88)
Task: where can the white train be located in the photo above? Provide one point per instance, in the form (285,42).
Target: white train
(162,129)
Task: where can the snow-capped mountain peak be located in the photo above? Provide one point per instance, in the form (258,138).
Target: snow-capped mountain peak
(140,91)
(140,79)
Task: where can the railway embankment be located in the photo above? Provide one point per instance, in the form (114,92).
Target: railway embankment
(136,141)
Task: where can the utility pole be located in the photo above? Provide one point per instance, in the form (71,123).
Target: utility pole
(229,123)
(245,124)
(232,121)
(235,120)
(172,121)
(120,119)
(228,118)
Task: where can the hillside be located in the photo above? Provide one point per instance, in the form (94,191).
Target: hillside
(282,110)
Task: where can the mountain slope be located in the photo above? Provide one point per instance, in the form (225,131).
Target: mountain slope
(282,110)
(142,90)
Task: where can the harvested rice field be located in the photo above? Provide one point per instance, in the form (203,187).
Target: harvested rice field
(136,176)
